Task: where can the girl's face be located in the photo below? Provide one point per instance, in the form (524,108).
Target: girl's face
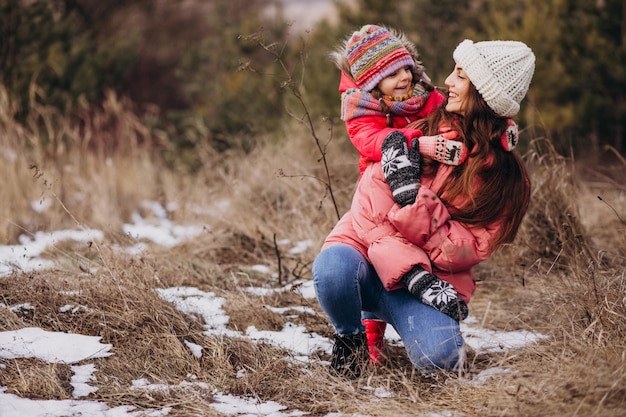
(458,91)
(397,84)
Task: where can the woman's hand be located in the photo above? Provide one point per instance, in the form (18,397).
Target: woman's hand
(435,292)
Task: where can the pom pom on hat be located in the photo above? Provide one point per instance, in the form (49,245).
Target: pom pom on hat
(501,71)
(373,53)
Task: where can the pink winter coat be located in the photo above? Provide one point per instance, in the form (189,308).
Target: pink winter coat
(368,132)
(395,238)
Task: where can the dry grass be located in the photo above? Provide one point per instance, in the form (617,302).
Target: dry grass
(564,277)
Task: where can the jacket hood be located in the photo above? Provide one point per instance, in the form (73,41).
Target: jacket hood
(346,82)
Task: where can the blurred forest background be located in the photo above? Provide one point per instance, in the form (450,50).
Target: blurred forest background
(218,72)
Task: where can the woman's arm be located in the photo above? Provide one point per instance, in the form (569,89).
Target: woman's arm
(452,246)
(391,254)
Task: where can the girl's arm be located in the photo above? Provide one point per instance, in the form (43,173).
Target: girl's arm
(367,134)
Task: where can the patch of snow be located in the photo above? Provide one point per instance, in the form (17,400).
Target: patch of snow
(82,375)
(54,347)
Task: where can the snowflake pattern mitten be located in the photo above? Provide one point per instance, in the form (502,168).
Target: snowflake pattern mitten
(435,292)
(415,156)
(403,178)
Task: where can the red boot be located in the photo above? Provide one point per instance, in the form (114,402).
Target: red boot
(375,332)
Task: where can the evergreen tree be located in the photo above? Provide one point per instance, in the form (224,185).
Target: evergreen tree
(180,57)
(437,27)
(58,51)
(580,78)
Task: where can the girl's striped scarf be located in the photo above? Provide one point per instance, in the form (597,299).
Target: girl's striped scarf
(357,103)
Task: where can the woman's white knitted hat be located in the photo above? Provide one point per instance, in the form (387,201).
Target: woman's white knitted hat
(500,70)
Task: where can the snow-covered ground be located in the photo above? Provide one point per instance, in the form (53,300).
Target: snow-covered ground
(66,348)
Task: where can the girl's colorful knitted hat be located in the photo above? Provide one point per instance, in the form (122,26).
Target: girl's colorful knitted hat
(500,70)
(373,54)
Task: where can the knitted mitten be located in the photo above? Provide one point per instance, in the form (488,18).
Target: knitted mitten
(443,148)
(415,157)
(435,292)
(401,175)
(375,333)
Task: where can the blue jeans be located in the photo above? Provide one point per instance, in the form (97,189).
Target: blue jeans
(346,284)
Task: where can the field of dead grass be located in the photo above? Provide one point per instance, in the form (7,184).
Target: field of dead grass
(564,277)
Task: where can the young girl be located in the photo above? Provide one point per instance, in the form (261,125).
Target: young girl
(458,217)
(384,88)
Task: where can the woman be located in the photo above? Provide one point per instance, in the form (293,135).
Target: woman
(456,219)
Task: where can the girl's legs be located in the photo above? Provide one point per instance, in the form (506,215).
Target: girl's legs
(346,284)
(375,335)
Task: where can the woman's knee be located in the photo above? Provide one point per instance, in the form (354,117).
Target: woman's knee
(332,262)
(433,355)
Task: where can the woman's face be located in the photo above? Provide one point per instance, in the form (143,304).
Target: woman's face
(458,91)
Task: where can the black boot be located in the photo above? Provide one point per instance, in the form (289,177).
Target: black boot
(350,355)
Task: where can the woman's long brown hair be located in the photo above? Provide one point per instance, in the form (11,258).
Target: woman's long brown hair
(502,192)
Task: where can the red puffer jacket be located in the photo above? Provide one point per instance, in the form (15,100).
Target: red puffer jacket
(368,132)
